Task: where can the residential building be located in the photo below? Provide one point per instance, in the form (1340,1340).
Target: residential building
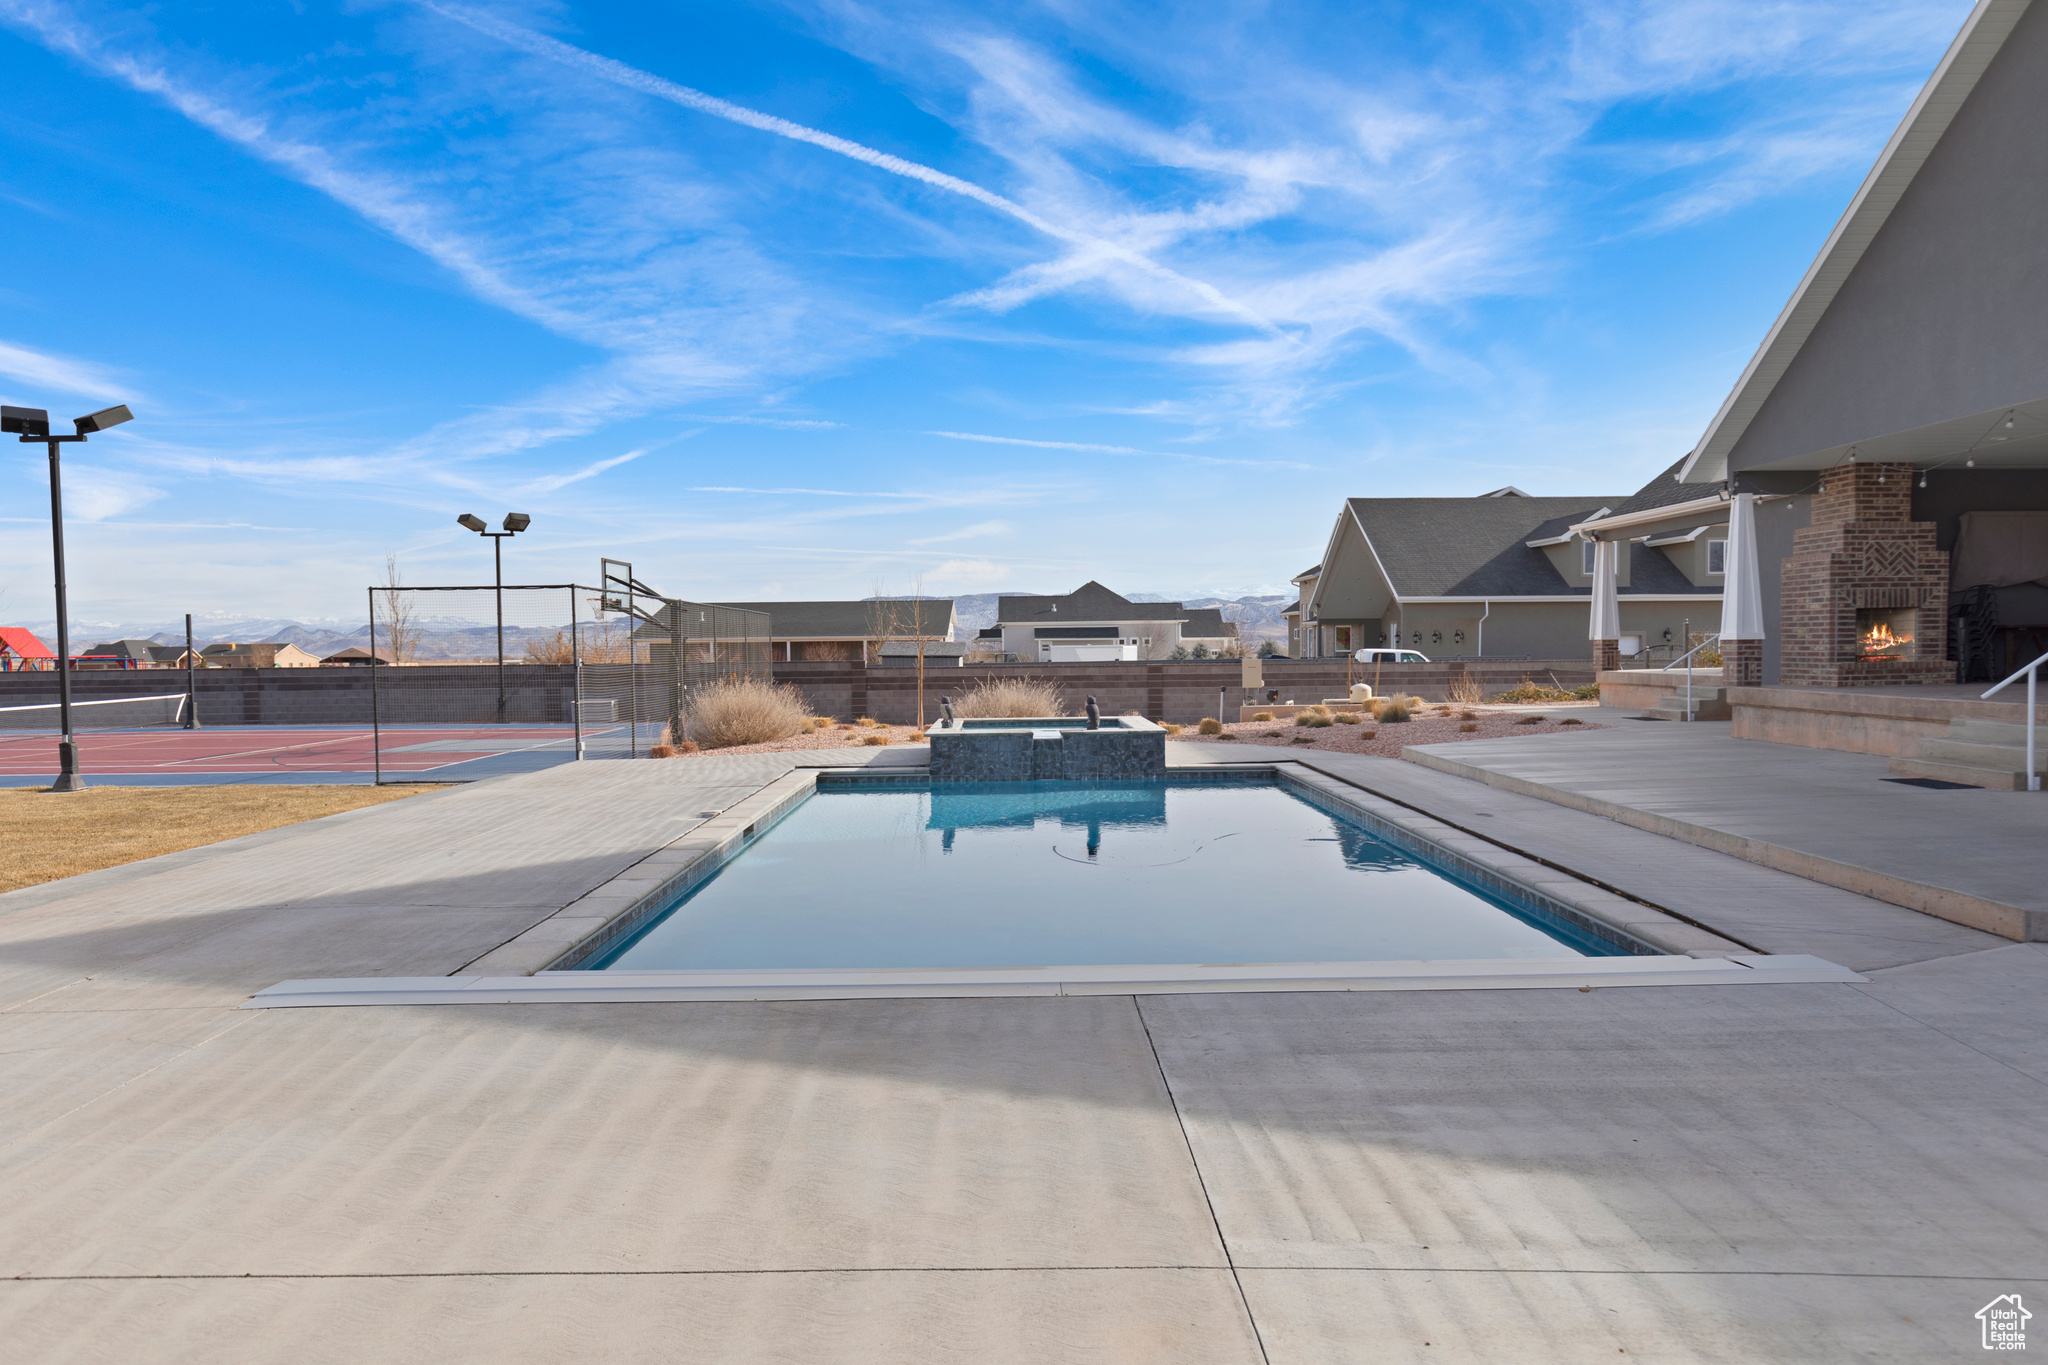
(937,653)
(355,656)
(1092,624)
(1304,585)
(21,651)
(133,653)
(1884,455)
(813,631)
(1501,574)
(266,655)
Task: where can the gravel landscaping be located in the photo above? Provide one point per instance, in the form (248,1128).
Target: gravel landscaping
(1430,726)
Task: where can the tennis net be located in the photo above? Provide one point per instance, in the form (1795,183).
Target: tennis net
(110,713)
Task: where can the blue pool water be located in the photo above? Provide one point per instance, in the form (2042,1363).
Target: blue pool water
(1025,874)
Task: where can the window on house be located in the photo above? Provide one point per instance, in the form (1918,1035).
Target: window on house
(1717,556)
(1586,557)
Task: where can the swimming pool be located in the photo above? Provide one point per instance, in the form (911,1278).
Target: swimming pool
(1028,874)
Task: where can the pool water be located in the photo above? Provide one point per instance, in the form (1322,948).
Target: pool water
(1032,874)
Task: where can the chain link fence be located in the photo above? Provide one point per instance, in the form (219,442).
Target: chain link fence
(479,681)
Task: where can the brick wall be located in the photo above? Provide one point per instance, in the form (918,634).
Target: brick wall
(1862,550)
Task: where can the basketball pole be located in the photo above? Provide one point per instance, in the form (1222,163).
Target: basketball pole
(191,680)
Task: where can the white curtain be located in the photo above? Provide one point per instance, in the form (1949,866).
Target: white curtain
(1742,598)
(1606,583)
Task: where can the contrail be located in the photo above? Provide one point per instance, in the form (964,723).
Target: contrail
(632,78)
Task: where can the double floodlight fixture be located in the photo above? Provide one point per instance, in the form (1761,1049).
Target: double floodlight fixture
(515,522)
(33,424)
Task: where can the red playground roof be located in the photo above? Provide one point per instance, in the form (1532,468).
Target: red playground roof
(21,642)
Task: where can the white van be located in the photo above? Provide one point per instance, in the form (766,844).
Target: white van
(1389,656)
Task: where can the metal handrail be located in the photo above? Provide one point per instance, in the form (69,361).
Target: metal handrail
(2032,672)
(1686,659)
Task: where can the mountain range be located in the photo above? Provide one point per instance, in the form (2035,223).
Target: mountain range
(1257,618)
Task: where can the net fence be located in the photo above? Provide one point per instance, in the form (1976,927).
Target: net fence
(527,676)
(104,713)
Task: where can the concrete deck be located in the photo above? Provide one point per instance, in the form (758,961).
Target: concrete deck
(1784,1173)
(1972,856)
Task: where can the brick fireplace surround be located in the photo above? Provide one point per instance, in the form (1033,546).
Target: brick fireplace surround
(1862,553)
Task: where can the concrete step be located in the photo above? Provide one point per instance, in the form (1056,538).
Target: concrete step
(2011,758)
(1960,772)
(1708,703)
(1995,732)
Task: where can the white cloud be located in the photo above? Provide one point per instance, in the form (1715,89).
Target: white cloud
(96,494)
(979,531)
(969,575)
(40,370)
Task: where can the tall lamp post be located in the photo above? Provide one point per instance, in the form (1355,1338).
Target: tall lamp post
(515,522)
(32,425)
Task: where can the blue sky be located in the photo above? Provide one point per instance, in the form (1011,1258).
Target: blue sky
(805,300)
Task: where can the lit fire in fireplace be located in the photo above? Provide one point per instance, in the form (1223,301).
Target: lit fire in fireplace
(1880,641)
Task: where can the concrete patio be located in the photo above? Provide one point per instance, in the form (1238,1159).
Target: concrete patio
(1784,1173)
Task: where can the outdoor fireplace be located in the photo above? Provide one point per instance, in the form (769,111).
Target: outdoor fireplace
(1864,593)
(1885,632)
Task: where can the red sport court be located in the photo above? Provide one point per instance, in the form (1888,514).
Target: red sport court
(431,753)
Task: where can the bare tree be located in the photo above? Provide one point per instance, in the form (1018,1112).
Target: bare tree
(903,619)
(400,630)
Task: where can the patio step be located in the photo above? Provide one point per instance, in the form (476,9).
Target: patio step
(1708,703)
(1983,753)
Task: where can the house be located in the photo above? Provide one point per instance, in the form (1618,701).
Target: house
(848,631)
(272,655)
(937,653)
(1092,625)
(1884,454)
(21,651)
(1502,574)
(355,656)
(133,653)
(1304,584)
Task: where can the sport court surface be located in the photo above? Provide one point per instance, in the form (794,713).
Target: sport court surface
(159,756)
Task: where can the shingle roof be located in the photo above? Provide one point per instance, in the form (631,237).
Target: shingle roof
(1665,491)
(1206,623)
(851,620)
(1468,547)
(1089,602)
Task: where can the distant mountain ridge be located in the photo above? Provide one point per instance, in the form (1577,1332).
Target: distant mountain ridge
(1257,618)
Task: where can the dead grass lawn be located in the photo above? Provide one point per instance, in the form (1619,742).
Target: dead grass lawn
(46,836)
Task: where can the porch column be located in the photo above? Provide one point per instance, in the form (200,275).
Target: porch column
(1605,630)
(1742,601)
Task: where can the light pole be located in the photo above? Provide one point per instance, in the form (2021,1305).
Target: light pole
(32,425)
(515,522)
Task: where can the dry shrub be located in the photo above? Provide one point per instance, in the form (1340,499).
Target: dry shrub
(689,746)
(866,722)
(1571,720)
(1468,715)
(744,711)
(1304,718)
(1010,697)
(1262,715)
(915,737)
(822,722)
(1173,729)
(1272,734)
(1528,720)
(1367,734)
(1210,726)
(1468,728)
(1465,690)
(1395,710)
(874,739)
(1304,739)
(662,751)
(1346,718)
(1320,709)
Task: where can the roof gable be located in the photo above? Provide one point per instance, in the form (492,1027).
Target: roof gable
(1467,547)
(1089,602)
(1912,148)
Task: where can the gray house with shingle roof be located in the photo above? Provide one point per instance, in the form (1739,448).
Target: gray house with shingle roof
(1092,624)
(1502,574)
